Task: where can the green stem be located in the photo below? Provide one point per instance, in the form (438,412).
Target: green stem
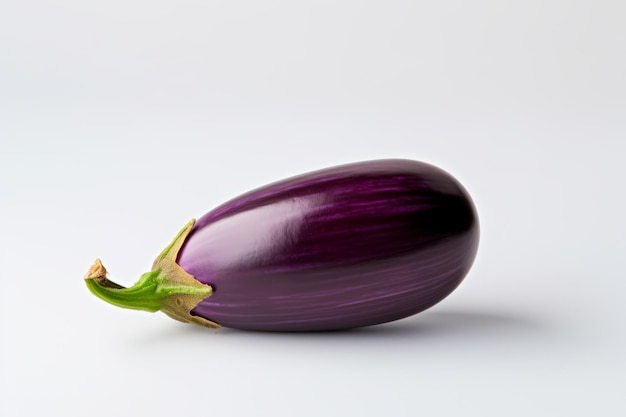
(144,295)
(167,287)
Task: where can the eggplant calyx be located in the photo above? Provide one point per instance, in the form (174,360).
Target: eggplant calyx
(168,287)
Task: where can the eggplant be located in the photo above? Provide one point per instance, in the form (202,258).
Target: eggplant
(344,247)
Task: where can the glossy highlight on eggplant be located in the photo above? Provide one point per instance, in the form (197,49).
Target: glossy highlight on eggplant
(344,247)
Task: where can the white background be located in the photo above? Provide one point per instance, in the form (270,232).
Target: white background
(121,120)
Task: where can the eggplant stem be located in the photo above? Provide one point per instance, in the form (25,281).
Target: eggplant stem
(168,287)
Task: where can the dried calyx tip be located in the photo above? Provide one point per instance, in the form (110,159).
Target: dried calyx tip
(96,270)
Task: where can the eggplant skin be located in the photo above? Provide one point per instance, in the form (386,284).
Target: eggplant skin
(344,247)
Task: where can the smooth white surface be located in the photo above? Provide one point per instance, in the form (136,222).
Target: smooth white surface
(121,120)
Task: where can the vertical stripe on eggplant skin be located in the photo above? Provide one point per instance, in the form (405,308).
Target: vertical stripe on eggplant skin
(349,246)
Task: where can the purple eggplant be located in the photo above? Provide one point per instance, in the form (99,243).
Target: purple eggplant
(344,247)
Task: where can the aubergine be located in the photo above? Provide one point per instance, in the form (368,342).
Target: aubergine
(344,247)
